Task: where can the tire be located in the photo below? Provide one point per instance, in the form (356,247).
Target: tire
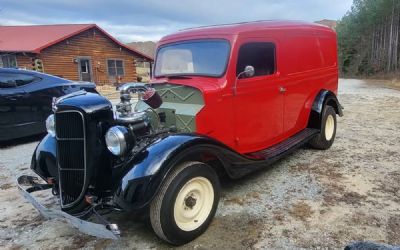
(326,137)
(191,186)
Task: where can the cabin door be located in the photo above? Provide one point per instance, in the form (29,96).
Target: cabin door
(258,101)
(85,73)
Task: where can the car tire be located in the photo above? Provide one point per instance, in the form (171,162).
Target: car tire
(186,203)
(326,136)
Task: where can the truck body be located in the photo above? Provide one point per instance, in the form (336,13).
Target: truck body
(223,101)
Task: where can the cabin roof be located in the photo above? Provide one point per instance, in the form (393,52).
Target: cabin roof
(35,38)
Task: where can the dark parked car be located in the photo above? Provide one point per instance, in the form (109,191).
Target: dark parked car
(26,98)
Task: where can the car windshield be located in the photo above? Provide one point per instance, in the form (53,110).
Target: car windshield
(205,57)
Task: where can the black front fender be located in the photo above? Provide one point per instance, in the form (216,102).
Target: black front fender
(142,175)
(44,161)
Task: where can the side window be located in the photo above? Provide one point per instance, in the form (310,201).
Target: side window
(259,55)
(11,80)
(8,61)
(115,67)
(22,79)
(7,81)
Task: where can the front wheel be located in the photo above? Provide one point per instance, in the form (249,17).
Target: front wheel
(186,203)
(325,138)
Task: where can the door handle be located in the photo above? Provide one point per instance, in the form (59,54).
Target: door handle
(282,90)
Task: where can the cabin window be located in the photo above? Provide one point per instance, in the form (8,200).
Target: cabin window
(115,67)
(8,61)
(260,55)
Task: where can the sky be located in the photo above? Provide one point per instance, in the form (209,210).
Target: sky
(132,20)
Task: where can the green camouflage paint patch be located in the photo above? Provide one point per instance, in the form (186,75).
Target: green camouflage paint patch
(181,105)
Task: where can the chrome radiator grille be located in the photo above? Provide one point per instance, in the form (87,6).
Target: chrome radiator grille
(71,156)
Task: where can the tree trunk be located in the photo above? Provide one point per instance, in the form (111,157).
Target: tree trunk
(390,49)
(396,44)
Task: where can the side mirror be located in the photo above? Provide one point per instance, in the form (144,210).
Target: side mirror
(249,71)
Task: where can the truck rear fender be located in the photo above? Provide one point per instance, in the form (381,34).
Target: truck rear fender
(324,97)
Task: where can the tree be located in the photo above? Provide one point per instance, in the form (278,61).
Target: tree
(368,37)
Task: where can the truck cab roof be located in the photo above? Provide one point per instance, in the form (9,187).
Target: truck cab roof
(234,29)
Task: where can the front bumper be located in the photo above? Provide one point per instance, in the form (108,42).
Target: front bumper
(28,184)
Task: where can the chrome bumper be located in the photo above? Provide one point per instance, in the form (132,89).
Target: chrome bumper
(27,185)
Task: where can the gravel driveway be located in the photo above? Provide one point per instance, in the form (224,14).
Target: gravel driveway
(311,199)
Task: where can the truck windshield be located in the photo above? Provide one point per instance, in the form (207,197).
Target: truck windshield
(203,57)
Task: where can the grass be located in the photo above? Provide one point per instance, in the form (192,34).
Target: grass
(144,73)
(110,91)
(301,210)
(391,84)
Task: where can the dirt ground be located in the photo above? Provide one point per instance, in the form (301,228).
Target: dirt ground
(390,84)
(311,199)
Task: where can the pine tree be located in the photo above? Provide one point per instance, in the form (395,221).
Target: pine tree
(368,37)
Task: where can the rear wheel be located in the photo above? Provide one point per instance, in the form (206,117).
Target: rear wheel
(326,137)
(186,203)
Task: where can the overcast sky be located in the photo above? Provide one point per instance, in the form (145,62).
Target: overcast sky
(131,20)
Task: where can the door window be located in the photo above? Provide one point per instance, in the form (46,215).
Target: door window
(10,80)
(84,66)
(260,55)
(84,69)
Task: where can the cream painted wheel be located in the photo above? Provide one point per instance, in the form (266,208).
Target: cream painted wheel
(325,138)
(329,127)
(193,204)
(186,203)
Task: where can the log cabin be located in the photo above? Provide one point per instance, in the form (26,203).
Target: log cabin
(79,52)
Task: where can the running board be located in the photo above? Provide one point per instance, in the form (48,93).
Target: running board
(286,146)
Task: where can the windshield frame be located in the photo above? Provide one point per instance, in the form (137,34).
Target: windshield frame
(194,74)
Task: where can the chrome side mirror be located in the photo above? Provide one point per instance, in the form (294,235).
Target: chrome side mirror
(249,71)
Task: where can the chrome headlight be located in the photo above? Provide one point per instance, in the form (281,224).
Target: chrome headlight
(118,140)
(50,125)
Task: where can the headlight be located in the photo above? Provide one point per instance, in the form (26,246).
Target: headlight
(50,126)
(118,139)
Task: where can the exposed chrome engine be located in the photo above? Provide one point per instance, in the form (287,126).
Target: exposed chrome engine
(133,126)
(146,94)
